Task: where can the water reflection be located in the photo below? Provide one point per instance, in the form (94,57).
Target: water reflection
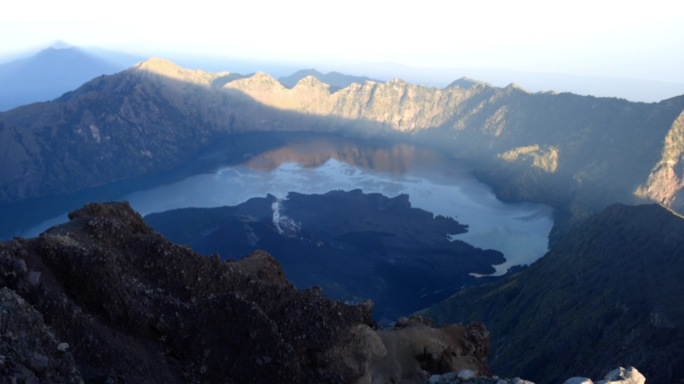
(394,159)
(319,163)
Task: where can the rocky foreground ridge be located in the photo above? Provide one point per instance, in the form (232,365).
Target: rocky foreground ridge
(106,299)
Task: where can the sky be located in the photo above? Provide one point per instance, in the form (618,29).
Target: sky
(630,39)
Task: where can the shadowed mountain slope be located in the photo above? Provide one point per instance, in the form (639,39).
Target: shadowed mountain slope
(577,153)
(49,74)
(608,294)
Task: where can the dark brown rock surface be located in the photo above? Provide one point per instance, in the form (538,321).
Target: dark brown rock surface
(136,308)
(416,350)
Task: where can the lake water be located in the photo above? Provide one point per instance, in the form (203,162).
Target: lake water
(246,166)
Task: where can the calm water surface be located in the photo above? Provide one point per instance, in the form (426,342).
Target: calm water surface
(243,167)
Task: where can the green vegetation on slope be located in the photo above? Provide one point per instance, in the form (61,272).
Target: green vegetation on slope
(608,294)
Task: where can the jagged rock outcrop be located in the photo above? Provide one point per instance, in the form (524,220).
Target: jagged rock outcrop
(608,294)
(133,307)
(416,350)
(666,182)
(620,375)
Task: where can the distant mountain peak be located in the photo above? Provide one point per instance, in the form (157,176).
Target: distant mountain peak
(467,82)
(170,70)
(336,80)
(156,64)
(60,44)
(263,77)
(516,86)
(310,72)
(309,81)
(260,82)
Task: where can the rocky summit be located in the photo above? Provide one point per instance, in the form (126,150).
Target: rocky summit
(134,307)
(106,299)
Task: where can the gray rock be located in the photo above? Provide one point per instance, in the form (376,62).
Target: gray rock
(578,380)
(625,376)
(466,375)
(62,347)
(435,379)
(20,266)
(517,380)
(23,373)
(34,278)
(449,375)
(39,362)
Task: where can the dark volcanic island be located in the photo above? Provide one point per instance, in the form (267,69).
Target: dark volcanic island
(355,246)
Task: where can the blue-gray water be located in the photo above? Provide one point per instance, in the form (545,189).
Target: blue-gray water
(318,164)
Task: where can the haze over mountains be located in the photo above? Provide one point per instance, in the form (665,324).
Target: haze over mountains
(599,86)
(50,73)
(54,71)
(335,79)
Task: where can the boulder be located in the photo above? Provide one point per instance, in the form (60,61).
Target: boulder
(419,348)
(578,380)
(466,375)
(624,376)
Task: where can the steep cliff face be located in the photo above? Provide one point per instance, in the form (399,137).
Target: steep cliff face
(133,307)
(666,181)
(608,294)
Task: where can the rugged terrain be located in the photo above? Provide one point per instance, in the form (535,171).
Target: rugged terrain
(356,246)
(336,80)
(578,153)
(105,299)
(608,294)
(130,303)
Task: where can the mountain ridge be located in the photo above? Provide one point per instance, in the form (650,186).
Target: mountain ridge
(576,153)
(335,79)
